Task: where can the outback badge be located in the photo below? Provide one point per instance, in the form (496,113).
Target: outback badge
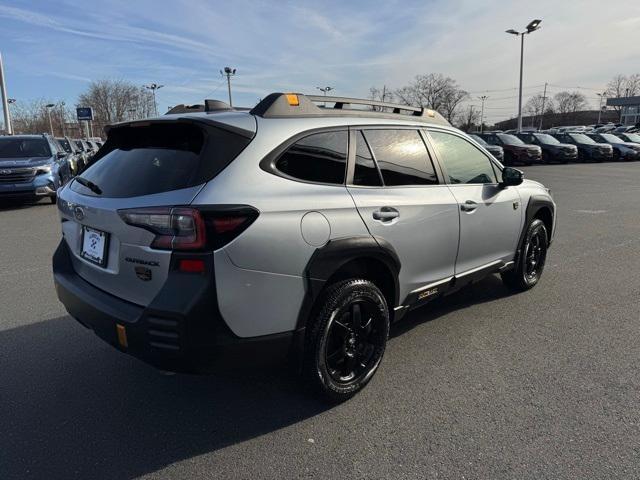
(143,273)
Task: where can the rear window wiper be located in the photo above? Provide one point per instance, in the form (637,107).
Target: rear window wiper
(89,184)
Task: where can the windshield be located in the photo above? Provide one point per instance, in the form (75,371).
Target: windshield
(479,140)
(24,147)
(546,139)
(509,139)
(610,138)
(582,138)
(79,145)
(633,137)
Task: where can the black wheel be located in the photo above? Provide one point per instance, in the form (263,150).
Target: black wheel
(530,262)
(53,199)
(346,339)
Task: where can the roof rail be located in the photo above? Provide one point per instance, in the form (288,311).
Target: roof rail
(283,105)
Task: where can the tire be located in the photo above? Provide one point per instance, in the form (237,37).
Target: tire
(531,260)
(346,339)
(53,199)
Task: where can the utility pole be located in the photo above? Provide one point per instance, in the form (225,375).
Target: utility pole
(228,71)
(483,98)
(153,87)
(532,27)
(601,95)
(544,99)
(5,102)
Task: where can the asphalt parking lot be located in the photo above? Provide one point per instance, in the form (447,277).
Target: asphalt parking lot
(481,384)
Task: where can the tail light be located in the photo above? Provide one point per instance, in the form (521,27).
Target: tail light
(183,228)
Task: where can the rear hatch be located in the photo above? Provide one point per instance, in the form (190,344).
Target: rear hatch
(121,218)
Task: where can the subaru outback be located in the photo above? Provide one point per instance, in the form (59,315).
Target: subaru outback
(298,230)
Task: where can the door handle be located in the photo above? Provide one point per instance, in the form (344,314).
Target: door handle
(386,214)
(468,206)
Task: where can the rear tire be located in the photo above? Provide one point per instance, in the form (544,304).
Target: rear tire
(346,339)
(530,262)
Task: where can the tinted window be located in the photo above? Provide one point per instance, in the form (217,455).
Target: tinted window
(320,158)
(366,171)
(402,157)
(509,139)
(158,158)
(24,147)
(546,139)
(464,162)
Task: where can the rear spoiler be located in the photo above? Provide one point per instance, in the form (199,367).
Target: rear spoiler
(203,120)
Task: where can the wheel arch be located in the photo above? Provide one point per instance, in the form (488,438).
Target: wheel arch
(364,257)
(542,207)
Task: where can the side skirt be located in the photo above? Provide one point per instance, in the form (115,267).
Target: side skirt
(426,293)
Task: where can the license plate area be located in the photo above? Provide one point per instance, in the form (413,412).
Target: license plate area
(94,246)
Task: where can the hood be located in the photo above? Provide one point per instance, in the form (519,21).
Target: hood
(532,183)
(24,162)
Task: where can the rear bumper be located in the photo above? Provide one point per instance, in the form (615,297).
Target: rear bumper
(181,330)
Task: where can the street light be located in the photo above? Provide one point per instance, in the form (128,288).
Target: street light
(602,97)
(153,87)
(532,27)
(228,71)
(49,106)
(324,90)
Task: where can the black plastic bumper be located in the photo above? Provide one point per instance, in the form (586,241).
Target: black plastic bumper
(181,330)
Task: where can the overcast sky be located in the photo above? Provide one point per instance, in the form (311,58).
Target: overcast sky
(53,49)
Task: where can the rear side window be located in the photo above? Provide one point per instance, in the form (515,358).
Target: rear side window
(402,157)
(318,158)
(365,172)
(158,158)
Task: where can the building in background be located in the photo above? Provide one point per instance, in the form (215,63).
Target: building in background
(630,113)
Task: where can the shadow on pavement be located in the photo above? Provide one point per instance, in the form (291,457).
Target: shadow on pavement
(12,204)
(73,407)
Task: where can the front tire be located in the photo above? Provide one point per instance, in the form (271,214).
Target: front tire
(531,260)
(346,339)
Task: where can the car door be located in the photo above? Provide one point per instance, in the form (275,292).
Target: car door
(490,215)
(398,194)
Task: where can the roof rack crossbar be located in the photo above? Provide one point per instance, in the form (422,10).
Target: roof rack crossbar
(340,102)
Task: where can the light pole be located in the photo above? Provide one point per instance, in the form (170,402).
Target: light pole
(62,121)
(532,27)
(49,106)
(5,103)
(483,98)
(228,71)
(602,97)
(153,87)
(324,91)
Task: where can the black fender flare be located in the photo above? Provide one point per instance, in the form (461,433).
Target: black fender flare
(535,204)
(329,258)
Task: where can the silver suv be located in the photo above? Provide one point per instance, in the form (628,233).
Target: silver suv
(297,230)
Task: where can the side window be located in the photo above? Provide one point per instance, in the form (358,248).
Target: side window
(366,171)
(493,140)
(464,162)
(402,157)
(320,158)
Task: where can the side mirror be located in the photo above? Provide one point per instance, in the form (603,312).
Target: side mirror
(511,177)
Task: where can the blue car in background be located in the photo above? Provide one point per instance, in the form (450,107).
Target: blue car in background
(32,167)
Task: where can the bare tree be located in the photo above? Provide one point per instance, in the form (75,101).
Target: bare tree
(570,102)
(468,118)
(380,95)
(434,91)
(116,100)
(622,86)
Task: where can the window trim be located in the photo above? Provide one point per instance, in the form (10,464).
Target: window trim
(268,163)
(497,168)
(354,129)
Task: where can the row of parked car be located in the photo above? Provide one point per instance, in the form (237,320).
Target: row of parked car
(529,147)
(35,166)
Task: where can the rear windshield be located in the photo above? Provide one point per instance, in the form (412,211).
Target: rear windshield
(15,147)
(156,158)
